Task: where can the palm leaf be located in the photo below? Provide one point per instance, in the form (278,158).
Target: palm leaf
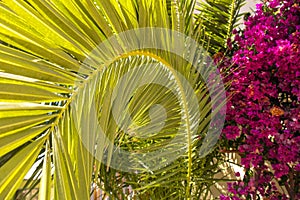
(56,80)
(218,18)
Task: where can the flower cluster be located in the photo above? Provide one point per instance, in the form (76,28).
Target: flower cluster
(263,119)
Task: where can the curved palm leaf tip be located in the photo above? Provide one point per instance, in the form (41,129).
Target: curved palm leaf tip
(47,70)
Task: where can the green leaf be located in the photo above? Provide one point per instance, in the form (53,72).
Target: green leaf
(13,141)
(14,170)
(56,87)
(218,18)
(45,184)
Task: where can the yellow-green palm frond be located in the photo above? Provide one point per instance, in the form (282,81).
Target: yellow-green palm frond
(80,81)
(217,19)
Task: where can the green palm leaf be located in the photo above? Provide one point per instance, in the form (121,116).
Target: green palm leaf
(218,18)
(55,81)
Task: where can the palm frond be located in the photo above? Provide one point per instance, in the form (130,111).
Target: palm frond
(70,103)
(218,18)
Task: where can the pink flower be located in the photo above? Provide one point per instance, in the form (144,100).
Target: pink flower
(232,132)
(263,115)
